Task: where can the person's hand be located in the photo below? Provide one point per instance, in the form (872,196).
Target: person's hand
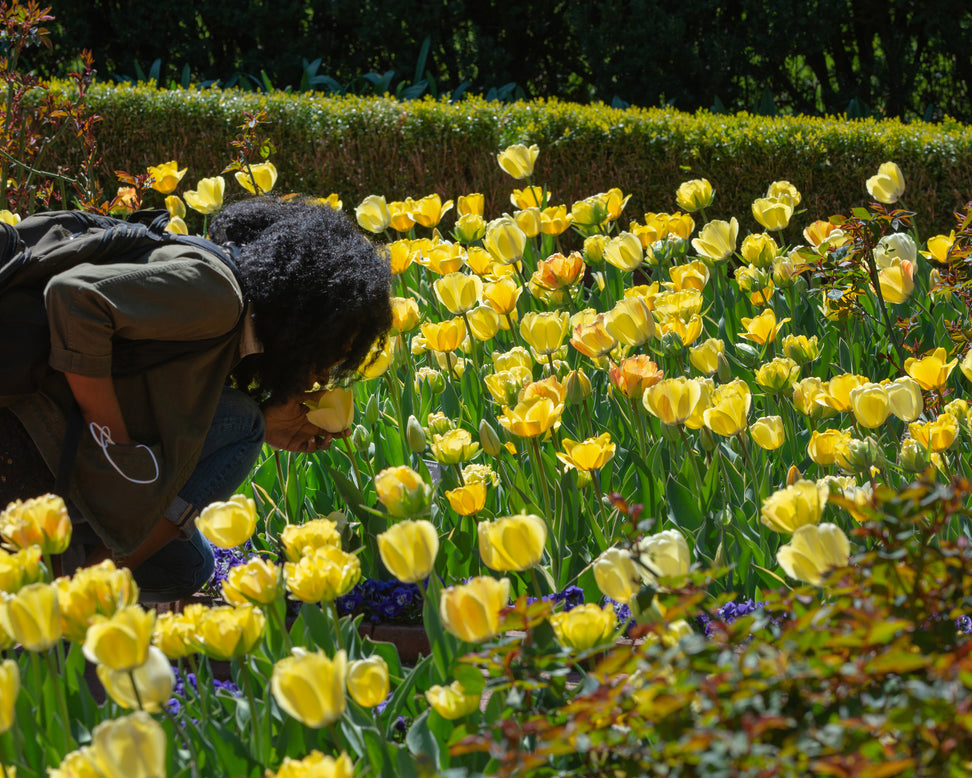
(288,428)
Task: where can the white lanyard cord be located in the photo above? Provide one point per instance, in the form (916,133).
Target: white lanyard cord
(102,436)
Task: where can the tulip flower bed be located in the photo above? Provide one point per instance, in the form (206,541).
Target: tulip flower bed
(754,447)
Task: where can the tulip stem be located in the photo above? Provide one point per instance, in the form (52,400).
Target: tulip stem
(54,667)
(639,426)
(180,730)
(251,699)
(339,639)
(690,452)
(538,466)
(602,541)
(354,462)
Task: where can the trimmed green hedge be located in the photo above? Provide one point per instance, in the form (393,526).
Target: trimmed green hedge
(359,146)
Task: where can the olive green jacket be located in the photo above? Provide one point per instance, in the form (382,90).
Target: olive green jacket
(172,293)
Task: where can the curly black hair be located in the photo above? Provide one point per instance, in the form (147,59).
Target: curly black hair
(320,292)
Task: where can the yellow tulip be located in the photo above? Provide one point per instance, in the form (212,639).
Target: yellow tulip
(932,371)
(663,555)
(794,506)
(400,215)
(692,276)
(402,491)
(784,189)
(39,521)
(368,682)
(175,207)
(452,701)
(555,220)
(502,295)
(625,252)
(591,454)
(174,633)
(470,204)
(228,524)
(147,687)
(310,686)
(939,248)
(453,447)
(705,356)
(8,217)
(428,211)
(545,332)
(532,417)
(207,197)
(459,292)
(936,436)
(829,447)
(594,248)
(372,214)
(32,616)
(300,539)
(129,747)
(888,185)
(630,321)
(764,328)
(518,160)
(805,394)
(694,195)
(616,575)
(767,432)
(91,592)
(166,177)
(20,568)
(773,213)
(484,322)
(258,581)
(593,340)
(408,549)
(467,500)
(717,240)
(529,221)
(897,282)
(400,255)
(871,404)
(332,411)
(800,348)
(257,179)
(505,240)
(512,542)
(324,574)
(528,197)
(777,374)
(505,385)
(315,765)
(405,314)
(813,551)
(470,228)
(228,632)
(122,640)
(673,400)
(471,611)
(729,409)
(515,357)
(585,626)
(9,689)
(445,336)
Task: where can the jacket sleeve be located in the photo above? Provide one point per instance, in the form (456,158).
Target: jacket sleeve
(173,296)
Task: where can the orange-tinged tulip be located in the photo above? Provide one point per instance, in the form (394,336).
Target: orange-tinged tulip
(549,387)
(673,400)
(166,177)
(558,271)
(512,542)
(587,455)
(634,374)
(39,521)
(471,611)
(794,506)
(257,179)
(813,550)
(888,185)
(469,499)
(531,417)
(408,549)
(593,340)
(518,160)
(932,371)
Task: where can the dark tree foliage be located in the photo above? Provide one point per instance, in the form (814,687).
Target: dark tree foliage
(900,58)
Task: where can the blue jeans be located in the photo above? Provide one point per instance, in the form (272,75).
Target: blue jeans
(183,566)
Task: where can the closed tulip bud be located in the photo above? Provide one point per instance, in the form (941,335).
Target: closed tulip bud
(793,475)
(616,575)
(471,611)
(470,228)
(32,616)
(585,626)
(773,213)
(913,456)
(207,197)
(147,687)
(871,404)
(122,641)
(717,240)
(459,292)
(594,248)
(484,322)
(322,575)
(368,682)
(704,356)
(402,491)
(467,500)
(663,555)
(625,252)
(767,432)
(405,314)
(310,687)
(372,412)
(415,435)
(518,160)
(505,240)
(41,521)
(800,503)
(813,551)
(130,747)
(800,348)
(408,549)
(862,455)
(591,454)
(9,689)
(257,179)
(372,214)
(488,439)
(228,524)
(577,387)
(888,185)
(778,374)
(932,371)
(453,701)
(759,249)
(694,195)
(512,542)
(258,581)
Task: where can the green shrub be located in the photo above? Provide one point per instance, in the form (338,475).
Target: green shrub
(359,146)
